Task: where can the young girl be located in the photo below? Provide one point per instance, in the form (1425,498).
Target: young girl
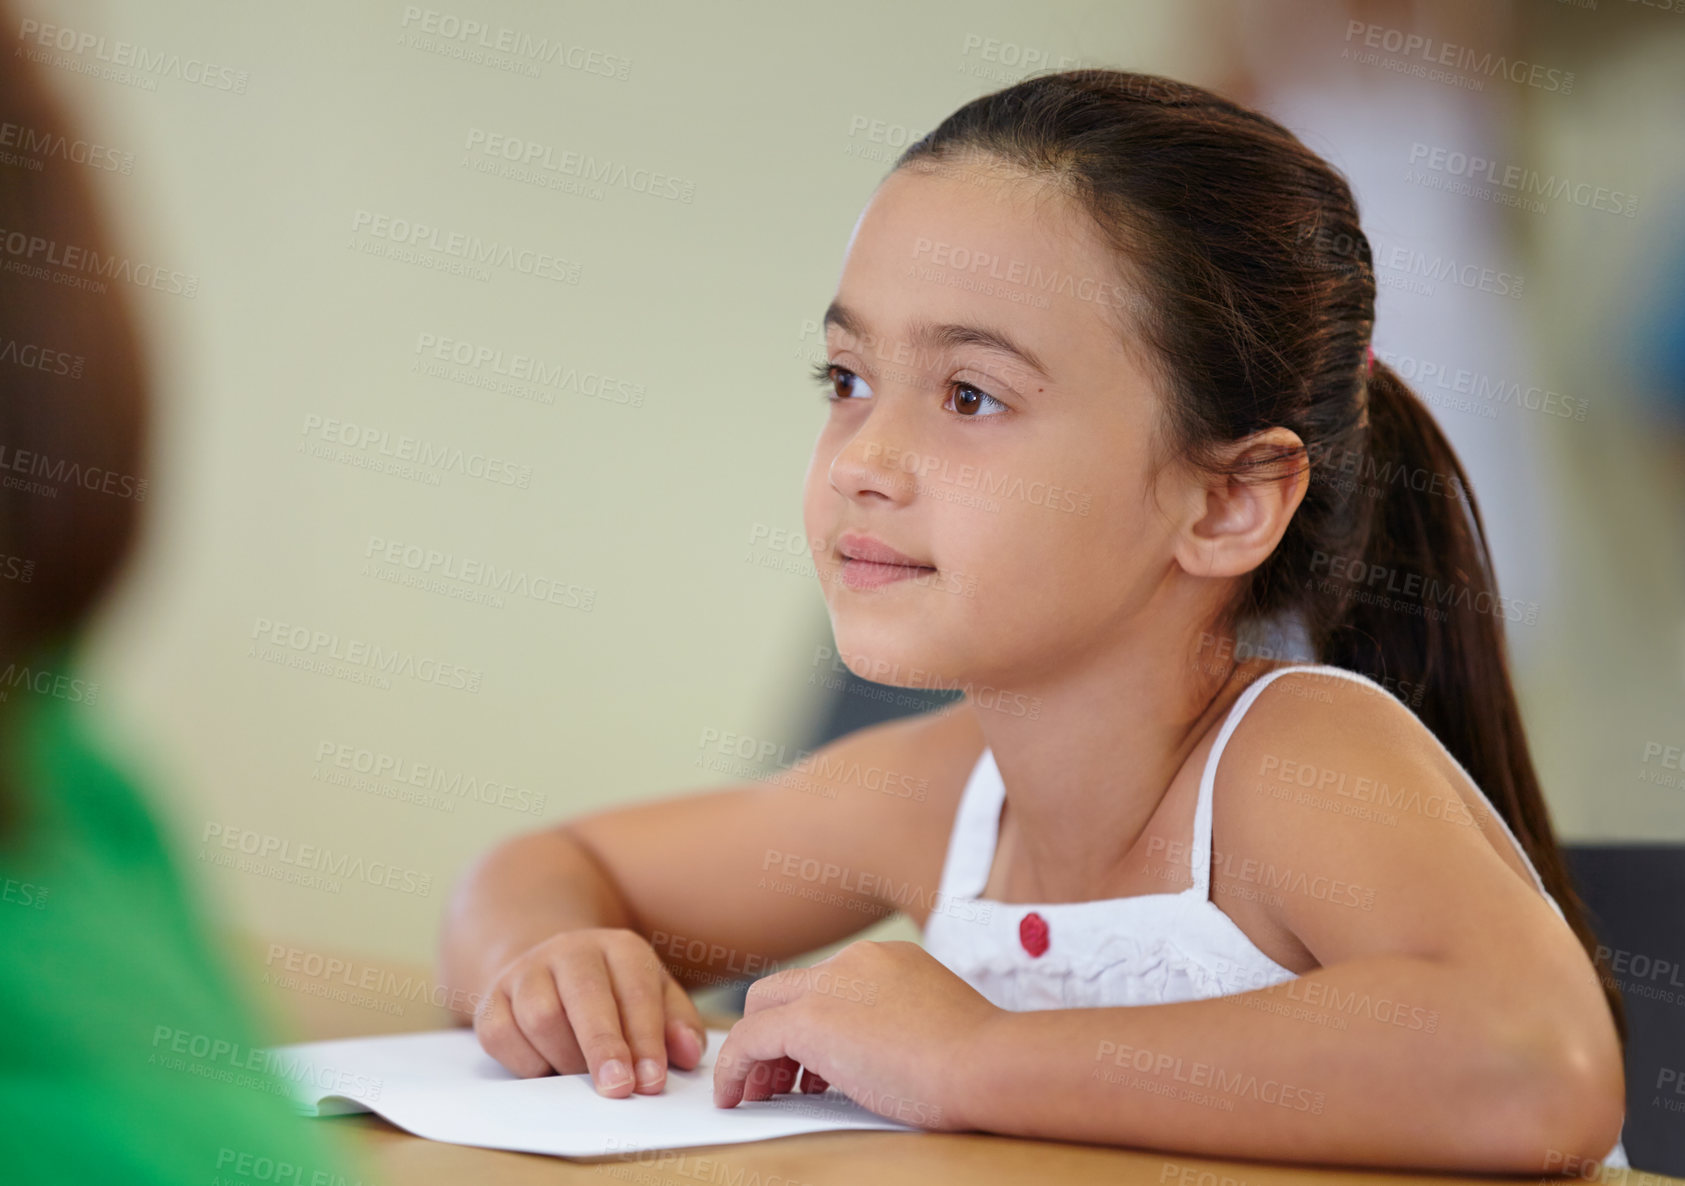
(1175,889)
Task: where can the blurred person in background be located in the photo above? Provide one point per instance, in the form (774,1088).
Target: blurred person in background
(126,1054)
(1338,75)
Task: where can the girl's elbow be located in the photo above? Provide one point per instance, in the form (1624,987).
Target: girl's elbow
(1573,1090)
(1593,1101)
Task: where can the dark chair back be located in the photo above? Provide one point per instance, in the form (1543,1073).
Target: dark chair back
(1636,895)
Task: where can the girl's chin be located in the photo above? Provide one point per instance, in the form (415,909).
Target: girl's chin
(891,655)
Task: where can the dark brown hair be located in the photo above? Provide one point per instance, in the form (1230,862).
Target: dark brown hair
(73,400)
(1257,301)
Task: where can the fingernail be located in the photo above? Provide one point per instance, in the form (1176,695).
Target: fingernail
(612,1074)
(649,1072)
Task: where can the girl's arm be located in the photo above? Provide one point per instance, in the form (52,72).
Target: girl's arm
(730,883)
(1455,1021)
(1260,1075)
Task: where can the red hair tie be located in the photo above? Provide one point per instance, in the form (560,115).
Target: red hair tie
(1369,360)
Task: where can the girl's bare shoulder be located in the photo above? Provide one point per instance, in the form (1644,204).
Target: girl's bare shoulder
(1344,822)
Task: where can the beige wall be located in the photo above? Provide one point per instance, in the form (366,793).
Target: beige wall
(700,304)
(778,125)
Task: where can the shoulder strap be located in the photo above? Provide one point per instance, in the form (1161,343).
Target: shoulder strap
(1200,864)
(971,845)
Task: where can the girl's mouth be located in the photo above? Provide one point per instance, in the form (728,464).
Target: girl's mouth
(870,574)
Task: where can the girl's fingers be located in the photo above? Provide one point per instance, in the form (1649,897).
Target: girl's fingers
(588,1000)
(500,1036)
(812,1084)
(770,1078)
(636,975)
(687,1037)
(607,1007)
(758,1038)
(762,1075)
(538,1011)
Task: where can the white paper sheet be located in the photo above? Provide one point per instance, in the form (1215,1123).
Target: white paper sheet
(441,1085)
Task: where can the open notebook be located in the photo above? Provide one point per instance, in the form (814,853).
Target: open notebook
(442,1086)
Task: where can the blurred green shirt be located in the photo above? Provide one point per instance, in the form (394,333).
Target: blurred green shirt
(127,1055)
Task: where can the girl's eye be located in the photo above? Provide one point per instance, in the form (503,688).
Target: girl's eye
(840,384)
(970,401)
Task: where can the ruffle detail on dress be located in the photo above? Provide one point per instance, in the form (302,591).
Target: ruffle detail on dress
(1120,970)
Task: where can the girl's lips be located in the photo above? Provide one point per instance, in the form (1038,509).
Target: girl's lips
(869,574)
(855,546)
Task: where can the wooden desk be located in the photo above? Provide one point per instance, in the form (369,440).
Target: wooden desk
(321,1006)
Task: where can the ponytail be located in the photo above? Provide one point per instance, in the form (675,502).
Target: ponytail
(1426,534)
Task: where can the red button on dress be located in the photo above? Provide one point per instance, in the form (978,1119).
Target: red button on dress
(1032,933)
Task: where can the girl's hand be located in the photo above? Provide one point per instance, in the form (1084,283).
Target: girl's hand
(884,1022)
(559,1007)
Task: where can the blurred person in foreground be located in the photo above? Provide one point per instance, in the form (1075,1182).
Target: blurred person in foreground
(126,1055)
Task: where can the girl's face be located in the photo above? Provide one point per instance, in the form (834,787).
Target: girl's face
(990,424)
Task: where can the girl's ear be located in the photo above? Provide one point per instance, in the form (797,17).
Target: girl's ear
(1234,523)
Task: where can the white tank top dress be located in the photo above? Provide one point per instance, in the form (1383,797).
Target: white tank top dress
(1145,949)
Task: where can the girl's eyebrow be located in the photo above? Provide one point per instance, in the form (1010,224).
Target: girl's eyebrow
(924,334)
